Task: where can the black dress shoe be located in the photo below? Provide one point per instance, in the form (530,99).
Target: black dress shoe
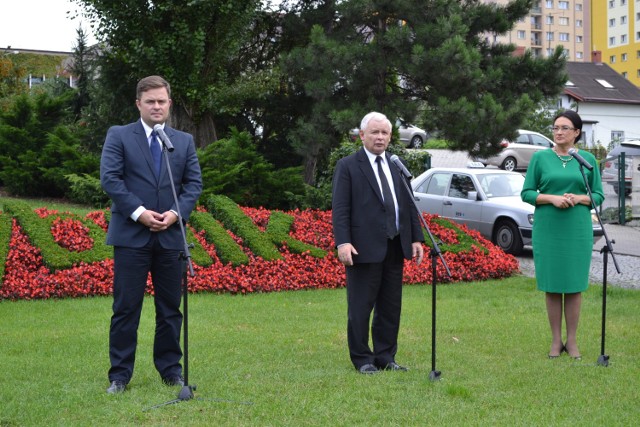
(116,387)
(393,366)
(368,369)
(172,380)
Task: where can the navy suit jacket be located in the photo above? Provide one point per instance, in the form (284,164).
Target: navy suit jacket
(358,213)
(127,176)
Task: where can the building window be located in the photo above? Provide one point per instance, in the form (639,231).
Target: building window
(624,74)
(638,16)
(563,37)
(578,39)
(549,4)
(612,59)
(522,35)
(623,38)
(578,6)
(638,37)
(623,2)
(549,20)
(623,20)
(579,55)
(612,41)
(564,21)
(617,135)
(637,54)
(612,22)
(612,4)
(624,57)
(563,5)
(550,36)
(579,23)
(637,73)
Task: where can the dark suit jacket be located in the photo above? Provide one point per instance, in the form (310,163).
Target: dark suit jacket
(358,210)
(127,176)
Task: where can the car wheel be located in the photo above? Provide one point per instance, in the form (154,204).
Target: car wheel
(416,142)
(509,164)
(507,236)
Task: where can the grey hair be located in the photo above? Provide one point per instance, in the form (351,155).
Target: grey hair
(373,116)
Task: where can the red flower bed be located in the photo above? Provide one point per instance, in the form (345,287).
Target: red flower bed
(27,277)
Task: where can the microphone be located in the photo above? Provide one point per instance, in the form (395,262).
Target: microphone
(163,137)
(573,152)
(403,170)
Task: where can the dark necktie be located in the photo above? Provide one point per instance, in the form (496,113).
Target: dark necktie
(389,206)
(156,153)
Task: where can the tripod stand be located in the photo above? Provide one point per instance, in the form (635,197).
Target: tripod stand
(603,359)
(434,254)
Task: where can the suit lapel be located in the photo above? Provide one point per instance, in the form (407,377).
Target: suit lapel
(367,170)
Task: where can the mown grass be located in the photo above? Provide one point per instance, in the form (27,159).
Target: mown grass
(286,354)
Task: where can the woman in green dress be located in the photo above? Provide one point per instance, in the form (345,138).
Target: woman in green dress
(562,227)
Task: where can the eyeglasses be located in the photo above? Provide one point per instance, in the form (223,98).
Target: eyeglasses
(557,129)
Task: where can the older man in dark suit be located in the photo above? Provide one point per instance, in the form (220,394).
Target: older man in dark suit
(375,227)
(144,232)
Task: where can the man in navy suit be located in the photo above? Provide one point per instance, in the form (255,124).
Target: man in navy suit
(375,226)
(144,232)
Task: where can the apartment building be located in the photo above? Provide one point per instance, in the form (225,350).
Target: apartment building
(552,23)
(617,43)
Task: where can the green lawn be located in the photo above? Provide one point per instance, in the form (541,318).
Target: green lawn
(286,353)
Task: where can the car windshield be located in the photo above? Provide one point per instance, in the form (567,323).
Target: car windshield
(501,185)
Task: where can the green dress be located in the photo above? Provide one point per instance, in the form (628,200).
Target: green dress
(562,239)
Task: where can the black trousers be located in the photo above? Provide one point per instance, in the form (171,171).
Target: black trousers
(375,287)
(131,269)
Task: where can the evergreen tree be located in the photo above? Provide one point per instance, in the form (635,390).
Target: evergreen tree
(425,59)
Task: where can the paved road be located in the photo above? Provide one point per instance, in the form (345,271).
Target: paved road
(626,248)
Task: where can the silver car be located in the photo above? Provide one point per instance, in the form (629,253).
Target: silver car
(411,136)
(486,200)
(610,170)
(517,154)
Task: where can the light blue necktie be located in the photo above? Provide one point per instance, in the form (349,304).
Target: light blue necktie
(156,153)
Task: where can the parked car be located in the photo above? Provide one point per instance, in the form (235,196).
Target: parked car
(610,170)
(411,136)
(517,154)
(486,200)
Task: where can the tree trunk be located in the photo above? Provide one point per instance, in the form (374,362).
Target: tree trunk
(204,132)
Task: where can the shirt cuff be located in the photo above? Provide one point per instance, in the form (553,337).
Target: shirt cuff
(136,214)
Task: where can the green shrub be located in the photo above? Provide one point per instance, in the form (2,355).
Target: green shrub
(54,256)
(5,239)
(87,190)
(234,168)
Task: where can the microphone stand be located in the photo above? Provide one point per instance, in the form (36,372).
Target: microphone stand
(434,254)
(603,359)
(186,393)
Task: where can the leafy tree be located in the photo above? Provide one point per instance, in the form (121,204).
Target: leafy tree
(195,45)
(12,77)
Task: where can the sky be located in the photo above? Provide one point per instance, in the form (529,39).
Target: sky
(40,25)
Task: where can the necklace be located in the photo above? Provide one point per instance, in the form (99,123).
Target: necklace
(564,161)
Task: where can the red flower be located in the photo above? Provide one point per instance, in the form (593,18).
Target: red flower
(27,277)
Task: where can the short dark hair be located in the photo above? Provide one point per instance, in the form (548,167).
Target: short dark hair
(575,118)
(151,82)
